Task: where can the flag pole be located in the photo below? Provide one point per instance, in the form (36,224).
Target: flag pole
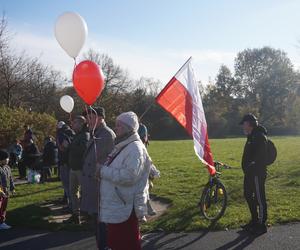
(183,65)
(140,118)
(172,77)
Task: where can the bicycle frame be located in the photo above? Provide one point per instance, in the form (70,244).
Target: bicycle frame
(211,192)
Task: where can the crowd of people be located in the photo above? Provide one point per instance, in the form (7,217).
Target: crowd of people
(105,173)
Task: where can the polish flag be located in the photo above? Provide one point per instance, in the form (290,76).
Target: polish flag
(181,98)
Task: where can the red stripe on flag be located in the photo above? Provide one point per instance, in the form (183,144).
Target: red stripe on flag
(185,106)
(208,157)
(176,100)
(207,152)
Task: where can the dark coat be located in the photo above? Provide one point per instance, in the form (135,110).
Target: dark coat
(64,134)
(104,138)
(77,149)
(30,155)
(255,152)
(50,154)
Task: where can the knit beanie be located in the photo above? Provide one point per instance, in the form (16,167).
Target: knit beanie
(130,119)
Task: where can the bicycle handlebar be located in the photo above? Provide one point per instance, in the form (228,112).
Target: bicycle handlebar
(220,164)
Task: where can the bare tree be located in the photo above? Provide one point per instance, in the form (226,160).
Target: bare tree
(150,85)
(11,70)
(25,81)
(116,79)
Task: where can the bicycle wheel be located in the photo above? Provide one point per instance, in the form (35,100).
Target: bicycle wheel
(213,200)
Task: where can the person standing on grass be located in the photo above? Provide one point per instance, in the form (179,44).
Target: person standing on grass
(154,173)
(255,172)
(15,151)
(49,158)
(143,133)
(99,146)
(64,139)
(124,185)
(6,186)
(30,157)
(59,135)
(76,152)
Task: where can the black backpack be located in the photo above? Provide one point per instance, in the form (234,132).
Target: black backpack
(271,152)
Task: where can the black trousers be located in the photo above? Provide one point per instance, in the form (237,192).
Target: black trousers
(255,195)
(22,169)
(101,235)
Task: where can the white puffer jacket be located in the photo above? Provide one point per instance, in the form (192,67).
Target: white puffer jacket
(124,183)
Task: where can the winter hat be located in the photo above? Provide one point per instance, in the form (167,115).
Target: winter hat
(3,155)
(99,110)
(130,119)
(249,118)
(60,124)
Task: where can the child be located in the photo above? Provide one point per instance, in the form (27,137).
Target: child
(6,186)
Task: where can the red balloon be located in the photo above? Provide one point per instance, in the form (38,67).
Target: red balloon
(88,81)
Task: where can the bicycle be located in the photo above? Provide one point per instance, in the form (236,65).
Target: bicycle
(213,200)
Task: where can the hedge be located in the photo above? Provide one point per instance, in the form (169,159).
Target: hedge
(12,123)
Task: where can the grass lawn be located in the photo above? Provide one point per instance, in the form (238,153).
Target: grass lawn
(182,180)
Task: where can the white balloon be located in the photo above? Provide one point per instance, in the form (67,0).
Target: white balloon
(71,32)
(67,103)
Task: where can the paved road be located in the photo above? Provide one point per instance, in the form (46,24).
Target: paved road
(278,237)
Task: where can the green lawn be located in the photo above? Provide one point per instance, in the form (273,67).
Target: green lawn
(182,180)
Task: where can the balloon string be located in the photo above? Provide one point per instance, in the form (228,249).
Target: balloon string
(96,157)
(93,132)
(75,64)
(96,114)
(88,117)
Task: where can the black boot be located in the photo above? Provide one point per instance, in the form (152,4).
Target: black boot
(258,229)
(249,225)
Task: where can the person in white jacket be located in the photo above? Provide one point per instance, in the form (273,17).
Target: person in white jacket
(124,185)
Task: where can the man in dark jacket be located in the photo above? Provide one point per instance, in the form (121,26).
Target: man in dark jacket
(64,138)
(49,158)
(76,152)
(99,146)
(254,168)
(30,157)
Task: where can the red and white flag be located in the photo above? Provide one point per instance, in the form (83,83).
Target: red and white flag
(181,98)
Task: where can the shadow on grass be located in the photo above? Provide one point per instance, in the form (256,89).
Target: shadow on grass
(181,220)
(36,192)
(35,216)
(30,215)
(166,201)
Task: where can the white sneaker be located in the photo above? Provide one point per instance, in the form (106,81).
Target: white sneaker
(4,226)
